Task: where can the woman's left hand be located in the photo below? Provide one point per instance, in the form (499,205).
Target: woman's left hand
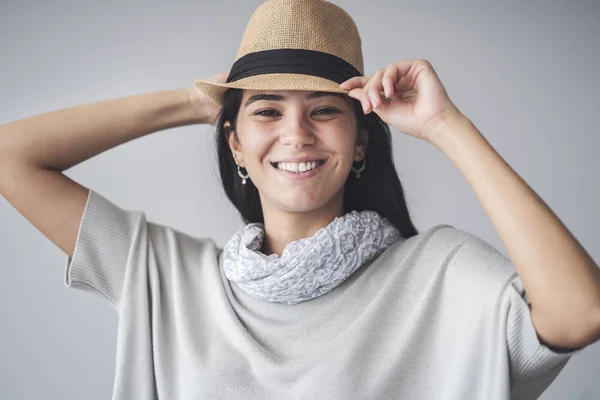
(415,100)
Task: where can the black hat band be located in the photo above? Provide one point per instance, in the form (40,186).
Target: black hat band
(294,61)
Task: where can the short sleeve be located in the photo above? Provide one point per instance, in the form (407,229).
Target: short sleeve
(529,358)
(532,365)
(106,235)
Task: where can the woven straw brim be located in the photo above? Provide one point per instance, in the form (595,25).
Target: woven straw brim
(216,91)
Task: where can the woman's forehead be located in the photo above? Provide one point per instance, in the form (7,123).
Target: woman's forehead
(250,96)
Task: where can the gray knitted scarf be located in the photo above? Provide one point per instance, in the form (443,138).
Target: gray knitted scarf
(308,267)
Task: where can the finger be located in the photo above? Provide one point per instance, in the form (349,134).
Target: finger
(404,66)
(401,75)
(409,72)
(357,81)
(372,92)
(404,83)
(389,80)
(375,89)
(364,99)
(355,93)
(358,94)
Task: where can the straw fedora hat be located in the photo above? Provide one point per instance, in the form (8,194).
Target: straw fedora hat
(293,45)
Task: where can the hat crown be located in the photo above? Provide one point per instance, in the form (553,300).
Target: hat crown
(316,25)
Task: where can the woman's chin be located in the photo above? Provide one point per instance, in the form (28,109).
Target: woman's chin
(300,207)
(302,203)
(297,202)
(301,199)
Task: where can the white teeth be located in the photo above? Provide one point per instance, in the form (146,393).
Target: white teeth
(297,167)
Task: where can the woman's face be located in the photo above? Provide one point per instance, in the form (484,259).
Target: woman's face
(278,130)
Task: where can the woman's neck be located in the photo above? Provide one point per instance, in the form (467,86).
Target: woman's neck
(283,227)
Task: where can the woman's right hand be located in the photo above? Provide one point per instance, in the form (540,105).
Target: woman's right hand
(203,104)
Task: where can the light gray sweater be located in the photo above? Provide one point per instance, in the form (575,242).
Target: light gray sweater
(441,315)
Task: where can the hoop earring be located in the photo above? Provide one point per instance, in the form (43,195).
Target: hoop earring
(361,169)
(240,172)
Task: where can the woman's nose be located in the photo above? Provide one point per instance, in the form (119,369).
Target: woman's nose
(296,131)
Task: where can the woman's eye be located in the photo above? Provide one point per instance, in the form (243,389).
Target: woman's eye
(262,113)
(273,113)
(326,111)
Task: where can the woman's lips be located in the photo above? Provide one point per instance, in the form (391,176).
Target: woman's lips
(301,175)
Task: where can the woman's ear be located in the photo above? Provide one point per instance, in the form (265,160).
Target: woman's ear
(362,142)
(232,139)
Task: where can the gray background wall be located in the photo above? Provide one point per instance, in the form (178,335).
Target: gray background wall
(523,73)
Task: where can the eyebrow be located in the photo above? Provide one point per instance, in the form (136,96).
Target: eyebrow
(278,97)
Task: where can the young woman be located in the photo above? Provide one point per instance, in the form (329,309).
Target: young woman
(329,291)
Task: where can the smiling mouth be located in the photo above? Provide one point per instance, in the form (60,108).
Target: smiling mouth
(299,168)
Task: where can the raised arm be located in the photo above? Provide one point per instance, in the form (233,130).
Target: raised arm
(34,151)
